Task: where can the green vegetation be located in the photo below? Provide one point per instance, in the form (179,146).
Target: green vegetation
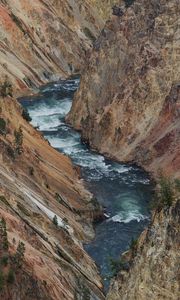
(2,126)
(55,220)
(177,184)
(86,293)
(89,34)
(3,234)
(133,245)
(18,134)
(128,3)
(116,265)
(6,88)
(11,276)
(166,191)
(1,280)
(31,171)
(9,264)
(58,198)
(4,260)
(10,152)
(19,255)
(25,115)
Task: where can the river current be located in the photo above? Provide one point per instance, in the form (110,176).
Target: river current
(124,190)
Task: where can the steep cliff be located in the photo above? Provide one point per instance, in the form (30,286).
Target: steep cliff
(37,183)
(128,102)
(44,39)
(154,272)
(43,203)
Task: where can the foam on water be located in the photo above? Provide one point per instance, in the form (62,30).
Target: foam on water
(123,189)
(126,217)
(41,110)
(46,122)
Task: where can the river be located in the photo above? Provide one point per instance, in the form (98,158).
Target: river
(124,190)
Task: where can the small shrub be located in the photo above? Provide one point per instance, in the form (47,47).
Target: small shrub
(1,280)
(2,126)
(55,220)
(4,260)
(6,88)
(18,134)
(86,293)
(25,115)
(58,198)
(89,34)
(165,195)
(10,152)
(19,255)
(128,3)
(116,265)
(10,277)
(177,184)
(47,186)
(133,246)
(166,191)
(3,232)
(31,171)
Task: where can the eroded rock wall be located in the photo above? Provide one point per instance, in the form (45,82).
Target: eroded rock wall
(45,39)
(127,105)
(37,183)
(154,273)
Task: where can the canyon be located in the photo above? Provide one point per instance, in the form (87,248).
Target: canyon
(127,108)
(43,200)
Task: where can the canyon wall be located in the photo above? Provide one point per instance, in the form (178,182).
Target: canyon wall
(38,183)
(127,106)
(45,39)
(42,198)
(154,272)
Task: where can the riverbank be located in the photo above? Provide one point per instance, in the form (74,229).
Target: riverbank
(124,190)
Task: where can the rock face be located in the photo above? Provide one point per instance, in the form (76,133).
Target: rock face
(42,199)
(128,102)
(154,273)
(44,39)
(37,183)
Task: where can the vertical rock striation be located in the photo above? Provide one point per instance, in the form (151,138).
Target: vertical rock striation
(154,273)
(45,39)
(128,102)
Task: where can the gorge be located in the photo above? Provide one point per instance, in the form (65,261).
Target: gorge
(124,190)
(89,163)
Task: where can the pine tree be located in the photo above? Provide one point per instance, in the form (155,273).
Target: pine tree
(19,256)
(18,134)
(3,231)
(55,220)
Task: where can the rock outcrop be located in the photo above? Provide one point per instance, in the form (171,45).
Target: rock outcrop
(154,273)
(37,183)
(42,199)
(127,106)
(45,39)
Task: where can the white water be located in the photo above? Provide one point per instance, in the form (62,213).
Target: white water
(124,190)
